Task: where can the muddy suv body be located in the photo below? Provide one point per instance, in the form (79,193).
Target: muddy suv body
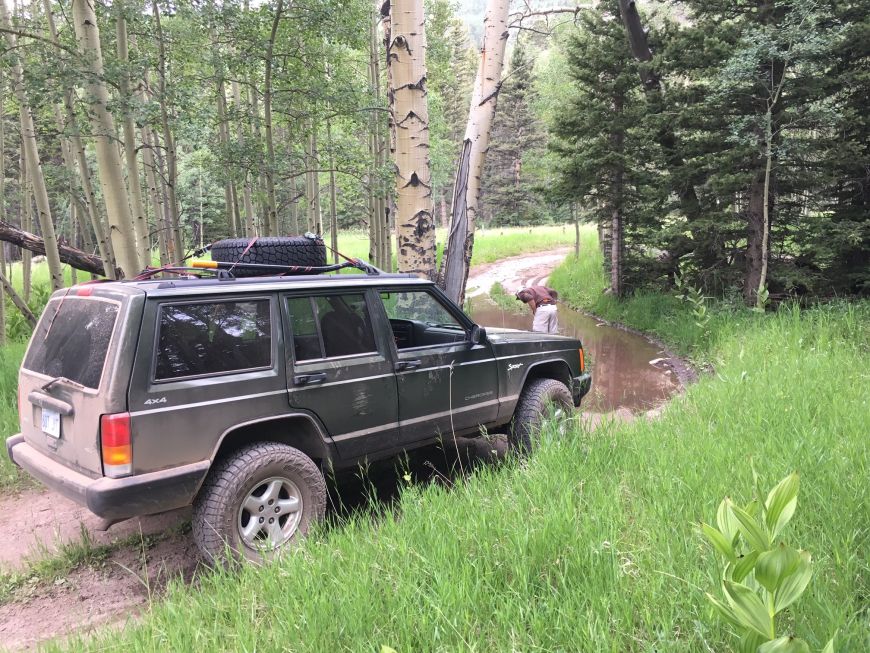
(236,394)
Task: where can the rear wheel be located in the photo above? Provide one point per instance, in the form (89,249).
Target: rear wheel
(539,398)
(258,500)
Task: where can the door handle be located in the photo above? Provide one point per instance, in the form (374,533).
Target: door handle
(404,366)
(308,379)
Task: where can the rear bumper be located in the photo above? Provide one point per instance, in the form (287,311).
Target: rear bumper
(580,386)
(112,498)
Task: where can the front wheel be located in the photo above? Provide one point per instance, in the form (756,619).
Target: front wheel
(258,500)
(537,397)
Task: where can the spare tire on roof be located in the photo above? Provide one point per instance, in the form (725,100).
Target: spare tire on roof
(306,251)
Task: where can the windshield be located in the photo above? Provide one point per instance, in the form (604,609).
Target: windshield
(72,339)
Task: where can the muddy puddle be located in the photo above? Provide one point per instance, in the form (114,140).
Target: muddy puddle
(628,372)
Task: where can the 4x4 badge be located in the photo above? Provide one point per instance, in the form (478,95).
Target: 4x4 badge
(158,400)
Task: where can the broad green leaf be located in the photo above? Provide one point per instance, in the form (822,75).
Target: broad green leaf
(387,649)
(719,541)
(773,566)
(744,566)
(829,647)
(750,642)
(723,610)
(748,607)
(751,529)
(795,584)
(725,520)
(781,504)
(785,645)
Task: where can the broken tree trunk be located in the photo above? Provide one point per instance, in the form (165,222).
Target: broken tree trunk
(69,255)
(466,190)
(415,225)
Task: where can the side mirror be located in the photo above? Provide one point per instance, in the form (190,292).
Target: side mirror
(478,335)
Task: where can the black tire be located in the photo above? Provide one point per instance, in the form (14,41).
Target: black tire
(297,250)
(218,511)
(533,406)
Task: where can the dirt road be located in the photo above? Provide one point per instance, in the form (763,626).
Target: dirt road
(515,272)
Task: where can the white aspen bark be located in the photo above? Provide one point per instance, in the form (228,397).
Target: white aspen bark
(103,125)
(156,198)
(137,206)
(375,229)
(31,153)
(315,214)
(272,216)
(2,203)
(25,219)
(240,136)
(333,215)
(171,177)
(406,59)
(68,123)
(466,189)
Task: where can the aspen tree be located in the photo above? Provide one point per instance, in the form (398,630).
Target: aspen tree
(406,60)
(137,206)
(466,191)
(103,124)
(31,153)
(67,123)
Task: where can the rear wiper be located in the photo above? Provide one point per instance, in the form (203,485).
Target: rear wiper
(61,379)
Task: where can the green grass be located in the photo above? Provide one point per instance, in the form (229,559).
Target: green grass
(505,301)
(10,360)
(592,544)
(581,283)
(490,245)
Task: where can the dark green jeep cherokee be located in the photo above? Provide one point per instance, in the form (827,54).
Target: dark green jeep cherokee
(234,395)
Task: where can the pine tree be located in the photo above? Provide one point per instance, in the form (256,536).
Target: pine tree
(509,196)
(608,161)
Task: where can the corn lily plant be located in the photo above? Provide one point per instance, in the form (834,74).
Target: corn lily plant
(762,576)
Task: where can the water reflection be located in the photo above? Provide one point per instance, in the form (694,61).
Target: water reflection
(622,376)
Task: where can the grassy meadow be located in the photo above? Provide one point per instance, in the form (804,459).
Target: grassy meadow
(592,544)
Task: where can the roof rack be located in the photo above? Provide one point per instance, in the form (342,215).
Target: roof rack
(224,270)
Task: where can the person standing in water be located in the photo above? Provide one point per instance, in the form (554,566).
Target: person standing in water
(542,302)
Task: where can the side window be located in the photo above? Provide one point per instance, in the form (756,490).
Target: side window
(306,336)
(326,326)
(213,338)
(345,324)
(419,306)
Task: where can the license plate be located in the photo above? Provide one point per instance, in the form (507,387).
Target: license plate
(51,422)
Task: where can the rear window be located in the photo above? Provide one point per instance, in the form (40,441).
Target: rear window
(72,338)
(213,338)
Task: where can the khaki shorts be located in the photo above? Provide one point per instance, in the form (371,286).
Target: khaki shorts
(546,319)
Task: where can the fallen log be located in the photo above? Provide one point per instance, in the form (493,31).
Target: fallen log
(69,255)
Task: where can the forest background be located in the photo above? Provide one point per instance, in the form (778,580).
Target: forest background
(724,147)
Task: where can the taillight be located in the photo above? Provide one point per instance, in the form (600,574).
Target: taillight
(115,443)
(582,360)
